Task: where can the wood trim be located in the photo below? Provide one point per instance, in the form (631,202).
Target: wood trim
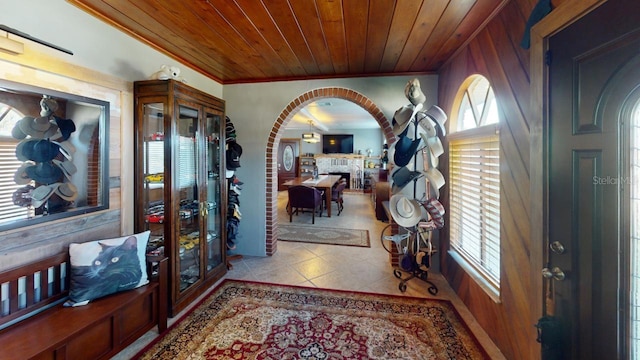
(565,14)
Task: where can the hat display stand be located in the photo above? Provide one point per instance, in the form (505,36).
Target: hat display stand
(233,153)
(42,151)
(413,246)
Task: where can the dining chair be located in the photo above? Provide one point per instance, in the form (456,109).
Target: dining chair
(336,194)
(302,197)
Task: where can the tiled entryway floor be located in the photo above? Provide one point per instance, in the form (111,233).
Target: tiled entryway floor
(337,267)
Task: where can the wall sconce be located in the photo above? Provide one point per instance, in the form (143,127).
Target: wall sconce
(311,136)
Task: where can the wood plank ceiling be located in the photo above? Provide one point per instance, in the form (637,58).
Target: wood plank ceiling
(242,41)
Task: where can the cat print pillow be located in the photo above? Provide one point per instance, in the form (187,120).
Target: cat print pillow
(104,267)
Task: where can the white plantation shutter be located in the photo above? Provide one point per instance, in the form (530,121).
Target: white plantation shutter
(186,162)
(8,166)
(155,157)
(474,183)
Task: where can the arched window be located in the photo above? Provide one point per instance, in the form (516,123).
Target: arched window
(474,182)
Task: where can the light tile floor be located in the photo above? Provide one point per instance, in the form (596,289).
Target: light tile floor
(337,267)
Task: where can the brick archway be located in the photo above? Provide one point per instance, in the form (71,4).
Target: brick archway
(276,134)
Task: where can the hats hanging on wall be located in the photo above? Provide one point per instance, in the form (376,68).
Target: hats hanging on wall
(233,153)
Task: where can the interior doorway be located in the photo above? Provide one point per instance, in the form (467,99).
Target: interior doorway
(276,136)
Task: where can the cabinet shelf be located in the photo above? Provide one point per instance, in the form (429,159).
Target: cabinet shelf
(307,163)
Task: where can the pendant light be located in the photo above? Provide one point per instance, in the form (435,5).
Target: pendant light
(311,136)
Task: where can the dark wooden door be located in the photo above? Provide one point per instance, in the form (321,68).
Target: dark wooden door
(287,161)
(593,76)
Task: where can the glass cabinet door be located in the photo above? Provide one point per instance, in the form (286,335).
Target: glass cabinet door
(152,199)
(213,217)
(186,189)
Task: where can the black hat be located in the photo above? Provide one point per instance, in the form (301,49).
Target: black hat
(66,127)
(402,177)
(234,151)
(37,150)
(405,148)
(44,173)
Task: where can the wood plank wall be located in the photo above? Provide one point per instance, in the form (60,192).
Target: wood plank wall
(496,54)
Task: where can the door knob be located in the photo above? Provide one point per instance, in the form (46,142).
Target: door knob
(557,247)
(555,273)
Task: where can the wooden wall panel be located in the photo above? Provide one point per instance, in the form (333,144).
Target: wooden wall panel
(496,54)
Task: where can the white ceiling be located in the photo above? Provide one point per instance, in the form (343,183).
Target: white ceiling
(332,114)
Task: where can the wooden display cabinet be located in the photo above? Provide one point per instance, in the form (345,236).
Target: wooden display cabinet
(180,185)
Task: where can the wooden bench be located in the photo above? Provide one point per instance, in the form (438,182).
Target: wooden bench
(35,325)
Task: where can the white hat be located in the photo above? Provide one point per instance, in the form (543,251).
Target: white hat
(437,114)
(67,191)
(427,123)
(435,148)
(436,180)
(21,177)
(414,93)
(401,119)
(405,212)
(41,194)
(68,168)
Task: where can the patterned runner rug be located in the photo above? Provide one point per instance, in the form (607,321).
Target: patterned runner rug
(322,235)
(246,320)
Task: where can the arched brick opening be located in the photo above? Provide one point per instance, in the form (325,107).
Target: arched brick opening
(276,135)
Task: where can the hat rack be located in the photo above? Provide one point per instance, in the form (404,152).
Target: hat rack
(415,247)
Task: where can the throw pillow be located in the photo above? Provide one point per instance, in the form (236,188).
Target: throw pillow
(104,267)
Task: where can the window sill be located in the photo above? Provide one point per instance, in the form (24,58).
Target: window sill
(486,286)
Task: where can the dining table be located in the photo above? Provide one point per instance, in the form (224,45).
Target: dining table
(323,182)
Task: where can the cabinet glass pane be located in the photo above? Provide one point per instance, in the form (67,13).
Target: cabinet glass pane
(212,133)
(153,173)
(186,165)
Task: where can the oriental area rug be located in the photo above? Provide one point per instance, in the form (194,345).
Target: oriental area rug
(322,235)
(249,320)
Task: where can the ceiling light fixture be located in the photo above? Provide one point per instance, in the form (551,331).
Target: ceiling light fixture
(311,136)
